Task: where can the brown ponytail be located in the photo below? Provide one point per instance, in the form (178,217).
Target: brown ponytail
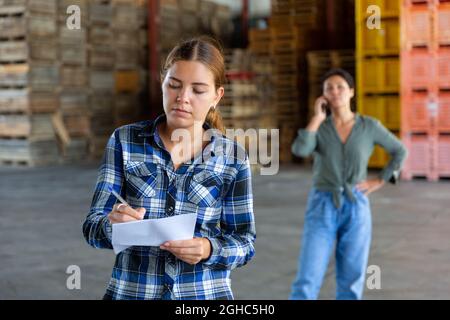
(214,119)
(208,51)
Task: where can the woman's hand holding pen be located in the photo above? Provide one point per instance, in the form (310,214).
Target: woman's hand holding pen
(370,185)
(123,213)
(190,251)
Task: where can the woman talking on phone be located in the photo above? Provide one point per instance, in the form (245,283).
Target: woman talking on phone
(338,209)
(169,167)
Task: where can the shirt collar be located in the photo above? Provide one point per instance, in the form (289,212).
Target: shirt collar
(151,131)
(357,118)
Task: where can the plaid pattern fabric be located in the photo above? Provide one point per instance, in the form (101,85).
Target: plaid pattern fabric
(216,186)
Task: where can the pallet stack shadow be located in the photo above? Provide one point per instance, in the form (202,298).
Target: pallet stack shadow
(378,67)
(426,88)
(29,79)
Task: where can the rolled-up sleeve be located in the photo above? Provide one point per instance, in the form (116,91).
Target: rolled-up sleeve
(97,229)
(305,143)
(235,246)
(394,147)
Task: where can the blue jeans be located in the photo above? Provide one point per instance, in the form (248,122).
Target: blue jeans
(350,227)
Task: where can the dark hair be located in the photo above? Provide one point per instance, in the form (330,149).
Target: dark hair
(339,72)
(208,51)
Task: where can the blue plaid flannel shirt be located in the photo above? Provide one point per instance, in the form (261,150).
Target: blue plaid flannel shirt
(216,186)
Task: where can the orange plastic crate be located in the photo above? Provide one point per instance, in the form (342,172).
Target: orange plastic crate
(444,112)
(417,112)
(443,68)
(418,2)
(420,158)
(418,67)
(418,24)
(442,23)
(443,155)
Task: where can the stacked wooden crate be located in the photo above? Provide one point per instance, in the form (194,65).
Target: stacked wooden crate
(425,87)
(378,68)
(239,106)
(319,62)
(130,48)
(243,105)
(182,19)
(188,17)
(74,107)
(221,23)
(295,26)
(101,64)
(261,66)
(170,28)
(29,79)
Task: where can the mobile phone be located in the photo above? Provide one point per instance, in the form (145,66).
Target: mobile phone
(325,107)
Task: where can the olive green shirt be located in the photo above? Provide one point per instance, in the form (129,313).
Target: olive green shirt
(338,166)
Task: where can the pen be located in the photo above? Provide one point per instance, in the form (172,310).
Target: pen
(118,197)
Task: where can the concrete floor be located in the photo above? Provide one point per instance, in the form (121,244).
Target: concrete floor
(42,210)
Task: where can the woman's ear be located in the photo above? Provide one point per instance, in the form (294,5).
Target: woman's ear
(352,92)
(219,94)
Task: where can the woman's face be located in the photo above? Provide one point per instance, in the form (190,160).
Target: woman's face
(337,91)
(188,93)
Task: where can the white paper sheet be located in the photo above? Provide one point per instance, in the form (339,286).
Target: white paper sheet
(152,232)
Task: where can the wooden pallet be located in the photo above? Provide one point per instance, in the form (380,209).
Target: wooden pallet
(100,13)
(101,57)
(25,101)
(74,102)
(28,152)
(73,77)
(125,16)
(77,125)
(126,59)
(23,126)
(101,80)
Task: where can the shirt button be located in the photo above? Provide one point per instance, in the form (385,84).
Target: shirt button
(170,208)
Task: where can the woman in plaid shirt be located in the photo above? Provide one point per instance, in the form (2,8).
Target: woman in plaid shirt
(161,175)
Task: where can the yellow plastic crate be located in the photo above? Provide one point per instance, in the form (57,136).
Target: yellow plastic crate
(379,75)
(378,159)
(373,106)
(392,112)
(389,8)
(384,41)
(384,108)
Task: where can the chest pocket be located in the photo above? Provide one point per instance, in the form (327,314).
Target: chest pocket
(205,189)
(141,178)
